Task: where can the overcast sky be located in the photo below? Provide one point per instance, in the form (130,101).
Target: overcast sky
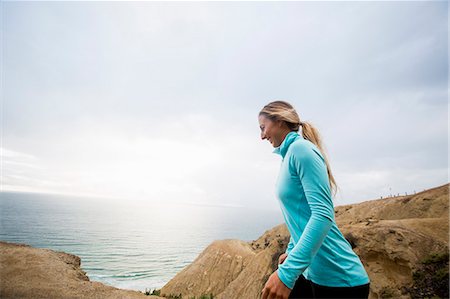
(159,101)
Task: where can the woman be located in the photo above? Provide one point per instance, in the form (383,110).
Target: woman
(319,262)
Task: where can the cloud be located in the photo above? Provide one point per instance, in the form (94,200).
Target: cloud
(159,101)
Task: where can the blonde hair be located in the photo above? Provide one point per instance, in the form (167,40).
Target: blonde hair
(283,111)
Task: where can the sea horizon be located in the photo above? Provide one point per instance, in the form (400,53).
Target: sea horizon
(132,244)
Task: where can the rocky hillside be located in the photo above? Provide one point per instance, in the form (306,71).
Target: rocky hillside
(27,272)
(392,236)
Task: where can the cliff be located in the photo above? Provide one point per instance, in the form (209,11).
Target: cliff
(392,236)
(28,272)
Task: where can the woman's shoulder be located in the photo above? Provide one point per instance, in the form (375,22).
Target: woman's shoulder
(301,145)
(301,142)
(303,149)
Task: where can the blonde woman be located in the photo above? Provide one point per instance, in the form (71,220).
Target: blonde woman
(319,262)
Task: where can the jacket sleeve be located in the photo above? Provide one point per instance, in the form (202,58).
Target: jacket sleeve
(290,245)
(311,169)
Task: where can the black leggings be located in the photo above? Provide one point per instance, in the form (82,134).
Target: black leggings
(304,288)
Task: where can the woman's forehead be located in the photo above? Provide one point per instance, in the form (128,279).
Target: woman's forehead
(262,119)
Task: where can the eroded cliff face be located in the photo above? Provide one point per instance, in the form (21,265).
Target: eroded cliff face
(391,236)
(230,268)
(27,272)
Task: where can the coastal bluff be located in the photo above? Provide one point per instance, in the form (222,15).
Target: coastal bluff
(28,272)
(402,242)
(394,237)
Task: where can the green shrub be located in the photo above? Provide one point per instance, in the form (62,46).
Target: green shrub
(431,279)
(154,292)
(436,258)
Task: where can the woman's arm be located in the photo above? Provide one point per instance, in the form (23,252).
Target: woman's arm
(290,245)
(311,169)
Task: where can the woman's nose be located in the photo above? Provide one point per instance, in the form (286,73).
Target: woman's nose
(263,136)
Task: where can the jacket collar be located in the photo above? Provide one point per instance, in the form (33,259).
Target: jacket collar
(290,137)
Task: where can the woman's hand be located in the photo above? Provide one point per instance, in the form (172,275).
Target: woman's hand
(275,288)
(282,258)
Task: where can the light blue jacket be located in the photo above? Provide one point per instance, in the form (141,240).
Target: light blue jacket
(317,248)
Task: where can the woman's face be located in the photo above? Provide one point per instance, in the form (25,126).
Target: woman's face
(273,131)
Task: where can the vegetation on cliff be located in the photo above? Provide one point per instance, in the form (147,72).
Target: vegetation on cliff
(431,279)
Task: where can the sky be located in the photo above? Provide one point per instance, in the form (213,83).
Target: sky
(159,101)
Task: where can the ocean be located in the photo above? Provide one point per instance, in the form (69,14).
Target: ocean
(134,245)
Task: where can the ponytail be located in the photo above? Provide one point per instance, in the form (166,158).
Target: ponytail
(309,132)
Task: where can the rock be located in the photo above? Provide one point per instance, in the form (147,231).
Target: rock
(27,272)
(201,277)
(253,277)
(241,275)
(391,236)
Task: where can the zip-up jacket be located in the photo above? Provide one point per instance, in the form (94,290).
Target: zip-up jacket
(317,249)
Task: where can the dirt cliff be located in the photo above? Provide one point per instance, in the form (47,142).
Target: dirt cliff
(28,272)
(392,236)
